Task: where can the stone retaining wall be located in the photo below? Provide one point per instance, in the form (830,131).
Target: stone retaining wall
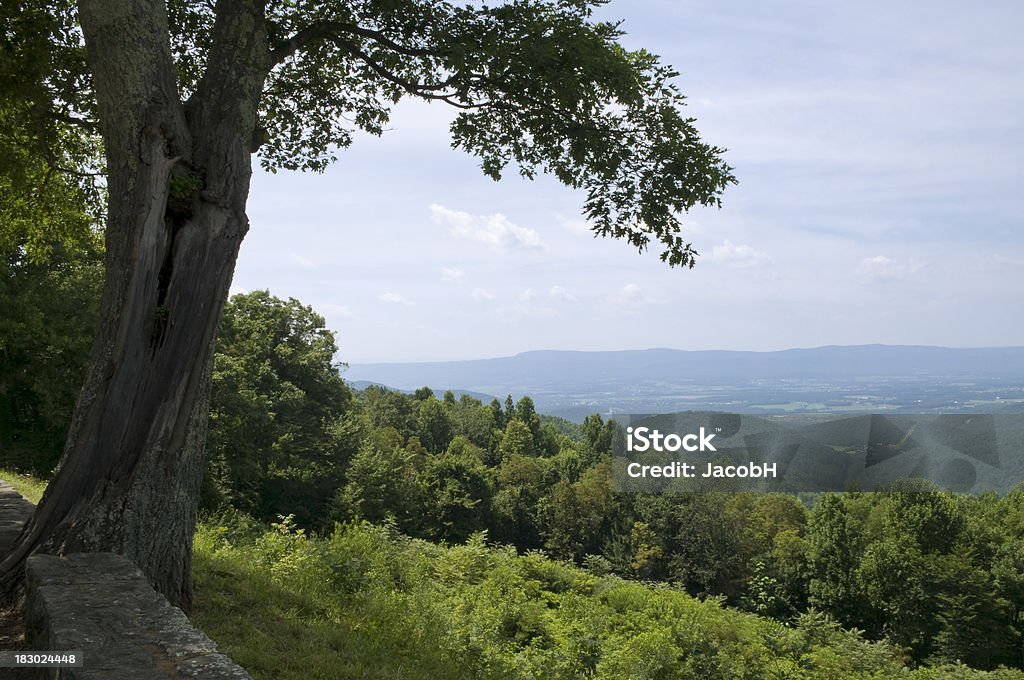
(102,605)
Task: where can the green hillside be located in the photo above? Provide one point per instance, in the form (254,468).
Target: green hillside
(367,602)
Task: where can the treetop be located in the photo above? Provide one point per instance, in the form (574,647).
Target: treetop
(539,85)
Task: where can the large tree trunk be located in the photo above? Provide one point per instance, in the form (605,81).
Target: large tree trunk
(178,178)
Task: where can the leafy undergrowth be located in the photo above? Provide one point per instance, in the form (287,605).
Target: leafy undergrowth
(367,602)
(31,488)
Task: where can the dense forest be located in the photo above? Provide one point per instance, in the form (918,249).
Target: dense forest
(934,576)
(381,534)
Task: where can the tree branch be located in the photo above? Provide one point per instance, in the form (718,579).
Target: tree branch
(332,30)
(43,138)
(347,36)
(87,124)
(427,91)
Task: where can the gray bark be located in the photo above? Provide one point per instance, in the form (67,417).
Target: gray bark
(178,178)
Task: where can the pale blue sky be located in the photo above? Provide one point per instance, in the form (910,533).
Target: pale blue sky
(879,149)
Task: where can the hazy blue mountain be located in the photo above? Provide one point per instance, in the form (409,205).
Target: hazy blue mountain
(835,378)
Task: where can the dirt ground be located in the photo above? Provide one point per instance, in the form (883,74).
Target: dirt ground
(12,637)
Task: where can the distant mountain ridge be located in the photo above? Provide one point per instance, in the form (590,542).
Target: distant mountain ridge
(656,379)
(823,362)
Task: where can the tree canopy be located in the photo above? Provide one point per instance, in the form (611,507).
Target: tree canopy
(276,440)
(50,254)
(540,86)
(181,94)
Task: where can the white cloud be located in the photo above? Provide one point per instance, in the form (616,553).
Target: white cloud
(874,265)
(395,298)
(630,294)
(481,294)
(527,295)
(452,275)
(1007,261)
(738,255)
(632,290)
(301,261)
(343,311)
(560,293)
(882,268)
(494,230)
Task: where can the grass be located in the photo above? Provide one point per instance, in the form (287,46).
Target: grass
(269,605)
(31,488)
